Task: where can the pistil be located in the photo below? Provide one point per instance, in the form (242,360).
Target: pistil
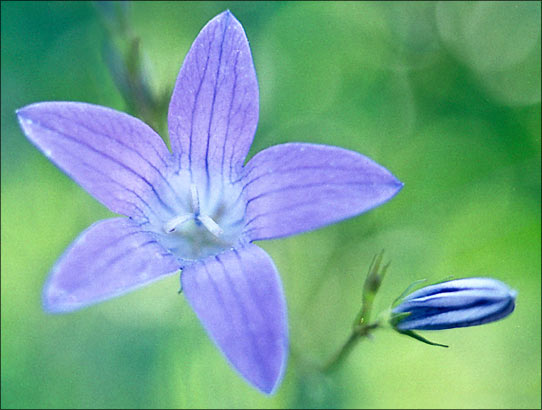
(205,220)
(171,225)
(211,225)
(195,199)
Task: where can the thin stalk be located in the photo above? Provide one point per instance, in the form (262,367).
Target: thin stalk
(357,334)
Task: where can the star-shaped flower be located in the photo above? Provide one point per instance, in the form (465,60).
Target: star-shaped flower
(198,208)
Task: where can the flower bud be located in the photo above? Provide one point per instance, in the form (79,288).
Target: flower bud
(455,303)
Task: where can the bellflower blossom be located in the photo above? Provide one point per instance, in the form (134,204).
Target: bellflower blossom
(198,208)
(455,303)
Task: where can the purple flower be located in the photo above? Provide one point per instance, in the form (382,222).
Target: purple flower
(455,303)
(198,208)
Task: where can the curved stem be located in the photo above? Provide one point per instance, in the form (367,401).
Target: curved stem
(357,334)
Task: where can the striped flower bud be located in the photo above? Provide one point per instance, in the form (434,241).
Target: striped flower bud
(455,303)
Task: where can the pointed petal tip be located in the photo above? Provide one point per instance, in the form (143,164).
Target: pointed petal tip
(26,110)
(29,114)
(227,18)
(270,386)
(52,308)
(25,121)
(274,384)
(20,112)
(55,302)
(269,390)
(227,14)
(398,186)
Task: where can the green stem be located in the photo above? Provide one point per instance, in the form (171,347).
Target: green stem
(357,334)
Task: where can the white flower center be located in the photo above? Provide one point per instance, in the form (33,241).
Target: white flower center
(198,216)
(208,222)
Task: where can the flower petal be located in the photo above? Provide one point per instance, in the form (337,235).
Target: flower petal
(472,315)
(458,285)
(238,297)
(213,112)
(115,157)
(292,188)
(108,259)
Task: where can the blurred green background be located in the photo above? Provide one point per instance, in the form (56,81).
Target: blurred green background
(445,95)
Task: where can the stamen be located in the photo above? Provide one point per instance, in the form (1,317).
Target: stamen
(172,224)
(195,199)
(211,225)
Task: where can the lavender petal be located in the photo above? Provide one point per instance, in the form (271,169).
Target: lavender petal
(110,258)
(456,285)
(213,112)
(238,297)
(448,319)
(293,188)
(115,157)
